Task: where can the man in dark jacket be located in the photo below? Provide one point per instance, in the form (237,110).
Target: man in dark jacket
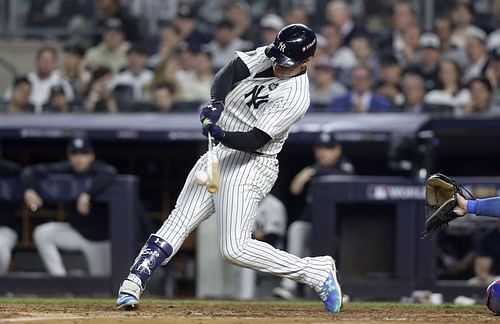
(8,223)
(87,226)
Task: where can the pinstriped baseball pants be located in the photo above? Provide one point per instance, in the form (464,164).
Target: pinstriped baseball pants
(245,178)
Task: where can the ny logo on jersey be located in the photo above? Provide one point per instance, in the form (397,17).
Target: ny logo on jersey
(281,47)
(256,99)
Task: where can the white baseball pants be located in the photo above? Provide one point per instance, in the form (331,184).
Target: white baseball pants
(8,240)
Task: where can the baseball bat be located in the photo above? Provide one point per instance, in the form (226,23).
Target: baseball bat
(212,168)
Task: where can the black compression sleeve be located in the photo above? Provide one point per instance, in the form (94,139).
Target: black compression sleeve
(224,80)
(246,141)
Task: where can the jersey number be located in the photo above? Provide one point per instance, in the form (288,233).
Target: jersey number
(255,98)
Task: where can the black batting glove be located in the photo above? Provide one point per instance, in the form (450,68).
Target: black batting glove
(212,112)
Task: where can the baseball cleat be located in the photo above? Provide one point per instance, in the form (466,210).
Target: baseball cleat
(127,302)
(330,293)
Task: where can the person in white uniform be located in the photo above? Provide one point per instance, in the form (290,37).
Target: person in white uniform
(256,98)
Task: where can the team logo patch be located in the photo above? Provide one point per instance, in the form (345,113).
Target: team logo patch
(273,86)
(281,47)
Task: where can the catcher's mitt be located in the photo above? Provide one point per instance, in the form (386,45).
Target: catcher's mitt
(440,200)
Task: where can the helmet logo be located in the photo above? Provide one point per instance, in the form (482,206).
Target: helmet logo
(281,47)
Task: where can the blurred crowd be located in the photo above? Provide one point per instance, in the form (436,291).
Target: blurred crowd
(161,56)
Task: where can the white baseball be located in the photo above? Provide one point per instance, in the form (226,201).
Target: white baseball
(201,177)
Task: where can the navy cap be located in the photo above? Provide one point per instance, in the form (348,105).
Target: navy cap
(113,23)
(326,139)
(56,90)
(80,145)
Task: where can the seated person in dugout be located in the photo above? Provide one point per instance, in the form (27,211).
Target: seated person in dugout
(87,225)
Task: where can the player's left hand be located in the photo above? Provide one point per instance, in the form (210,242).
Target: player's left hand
(211,112)
(83,204)
(216,131)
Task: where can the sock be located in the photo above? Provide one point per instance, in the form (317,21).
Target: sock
(153,253)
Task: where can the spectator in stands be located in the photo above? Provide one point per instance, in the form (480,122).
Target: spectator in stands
(427,65)
(462,16)
(389,83)
(112,51)
(58,102)
(408,54)
(19,100)
(169,42)
(449,91)
(74,71)
(136,77)
(324,87)
(487,261)
(185,56)
(477,55)
(44,77)
(239,13)
(188,27)
(329,161)
(413,93)
(493,75)
(338,13)
(403,16)
(365,54)
(224,45)
(341,57)
(195,84)
(9,226)
(163,97)
(112,9)
(100,97)
(361,98)
(166,71)
(269,227)
(297,14)
(270,25)
(481,94)
(87,226)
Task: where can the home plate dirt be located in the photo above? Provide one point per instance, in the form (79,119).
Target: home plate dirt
(187,312)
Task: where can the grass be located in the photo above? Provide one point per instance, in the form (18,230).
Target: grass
(147,301)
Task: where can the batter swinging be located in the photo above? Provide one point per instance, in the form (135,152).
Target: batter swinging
(256,98)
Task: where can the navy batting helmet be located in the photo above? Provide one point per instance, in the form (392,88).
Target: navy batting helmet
(293,44)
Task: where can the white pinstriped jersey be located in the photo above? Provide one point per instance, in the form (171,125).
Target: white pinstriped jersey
(270,104)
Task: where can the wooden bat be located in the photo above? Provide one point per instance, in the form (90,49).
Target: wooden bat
(212,168)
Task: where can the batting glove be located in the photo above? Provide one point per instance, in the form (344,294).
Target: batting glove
(216,131)
(212,112)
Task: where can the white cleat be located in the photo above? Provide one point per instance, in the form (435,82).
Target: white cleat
(128,295)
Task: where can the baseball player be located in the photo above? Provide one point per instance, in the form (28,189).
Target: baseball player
(256,98)
(87,228)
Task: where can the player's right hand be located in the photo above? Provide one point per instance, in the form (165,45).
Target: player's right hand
(211,112)
(216,131)
(32,199)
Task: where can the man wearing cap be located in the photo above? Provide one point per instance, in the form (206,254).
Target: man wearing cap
(112,51)
(58,102)
(20,98)
(324,87)
(329,161)
(427,67)
(136,76)
(87,226)
(225,44)
(270,25)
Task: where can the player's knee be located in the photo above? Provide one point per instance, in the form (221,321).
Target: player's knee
(42,233)
(232,253)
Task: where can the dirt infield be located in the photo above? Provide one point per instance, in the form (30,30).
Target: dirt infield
(177,312)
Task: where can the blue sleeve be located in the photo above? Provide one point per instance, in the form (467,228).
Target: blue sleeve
(484,207)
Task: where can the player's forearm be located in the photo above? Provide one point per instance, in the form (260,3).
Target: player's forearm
(246,141)
(224,80)
(484,207)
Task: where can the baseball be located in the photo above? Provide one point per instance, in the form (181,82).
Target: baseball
(201,177)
